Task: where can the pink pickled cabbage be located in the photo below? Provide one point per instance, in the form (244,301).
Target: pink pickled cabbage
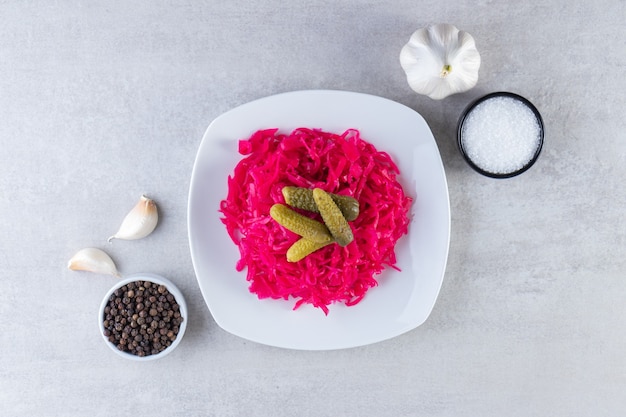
(342,164)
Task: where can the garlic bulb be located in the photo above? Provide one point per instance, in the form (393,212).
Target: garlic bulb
(139,222)
(440,60)
(93,260)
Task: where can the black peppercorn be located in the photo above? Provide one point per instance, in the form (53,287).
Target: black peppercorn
(141,318)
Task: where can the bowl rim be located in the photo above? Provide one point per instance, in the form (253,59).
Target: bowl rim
(486,97)
(157,279)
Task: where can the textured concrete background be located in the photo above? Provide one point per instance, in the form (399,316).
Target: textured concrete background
(103,101)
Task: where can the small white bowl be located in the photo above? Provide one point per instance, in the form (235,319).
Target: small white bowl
(156,279)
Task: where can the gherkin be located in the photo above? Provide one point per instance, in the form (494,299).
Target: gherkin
(302,198)
(299,224)
(333,218)
(302,248)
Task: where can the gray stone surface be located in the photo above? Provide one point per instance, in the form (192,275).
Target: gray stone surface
(103,101)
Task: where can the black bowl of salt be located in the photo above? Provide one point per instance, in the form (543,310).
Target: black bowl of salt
(500,135)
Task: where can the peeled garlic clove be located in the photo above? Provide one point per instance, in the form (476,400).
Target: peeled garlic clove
(139,222)
(93,260)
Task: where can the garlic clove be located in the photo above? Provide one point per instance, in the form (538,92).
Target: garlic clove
(440,60)
(93,260)
(139,222)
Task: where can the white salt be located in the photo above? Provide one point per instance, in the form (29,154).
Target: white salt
(501,135)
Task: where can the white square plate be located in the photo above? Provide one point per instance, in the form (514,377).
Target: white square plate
(403,299)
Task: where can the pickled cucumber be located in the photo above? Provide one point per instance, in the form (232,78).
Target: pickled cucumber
(302,198)
(302,225)
(302,248)
(333,218)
